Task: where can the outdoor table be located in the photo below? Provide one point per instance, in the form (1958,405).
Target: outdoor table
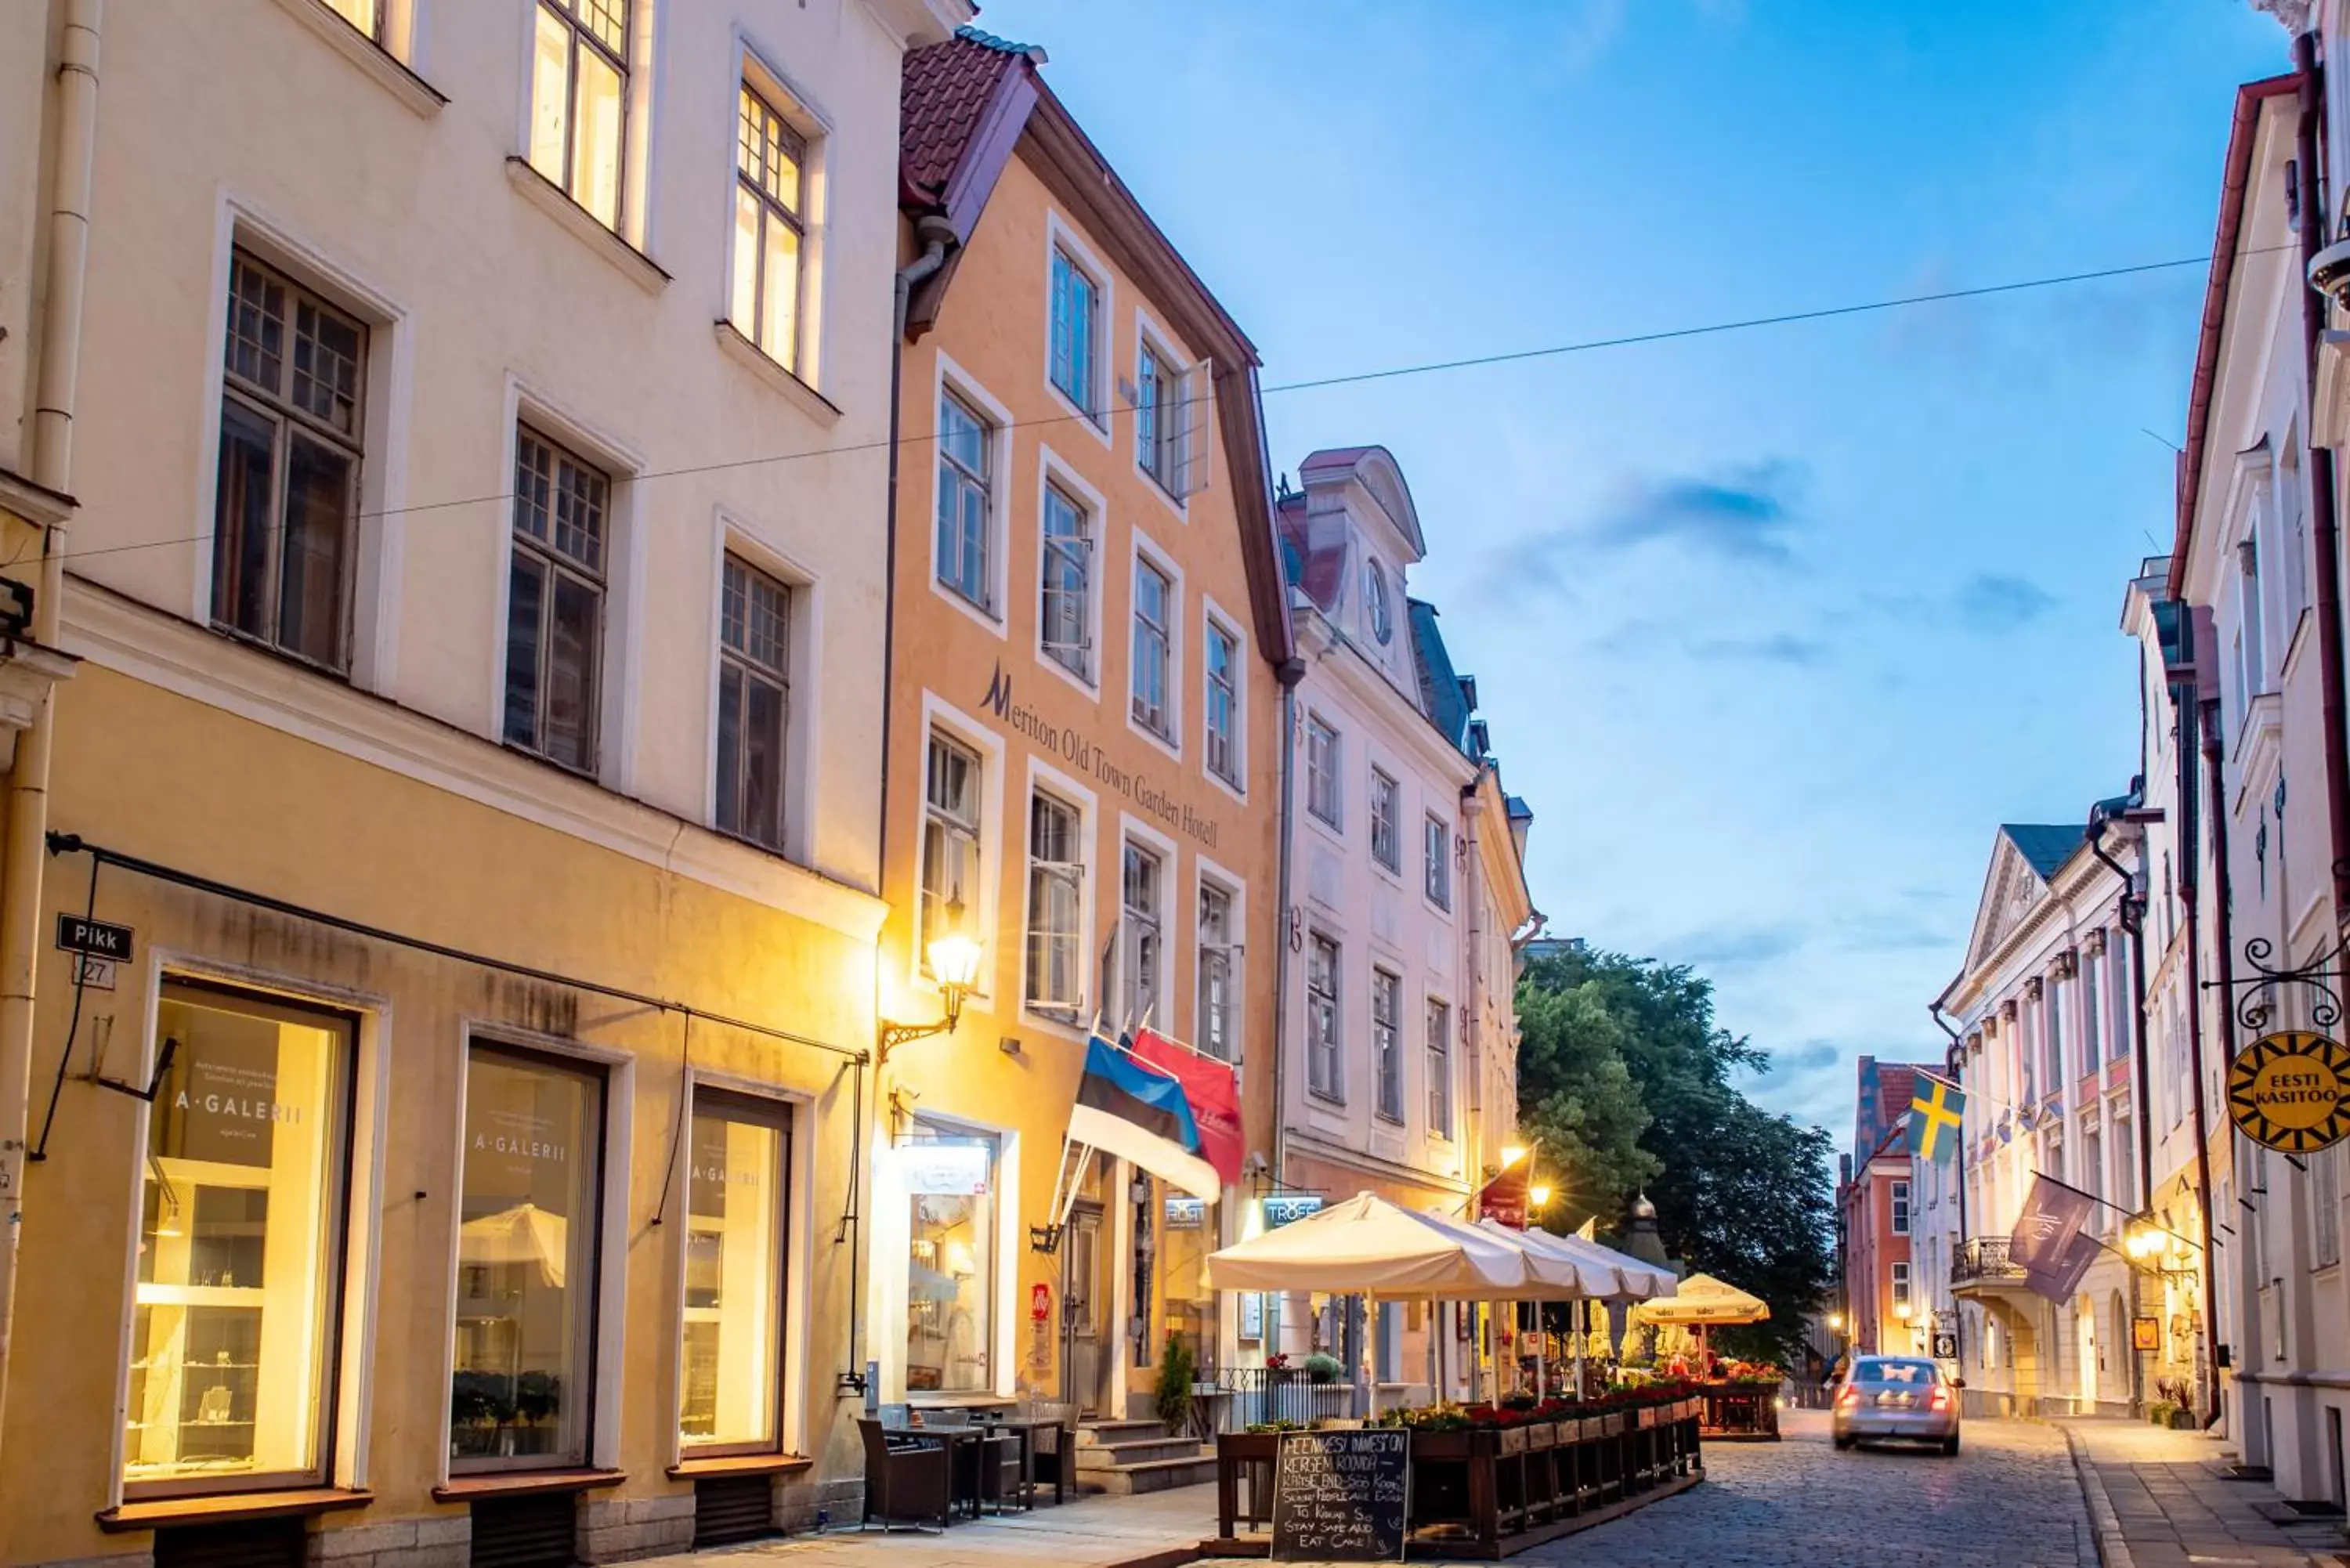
(1026,1427)
(956,1440)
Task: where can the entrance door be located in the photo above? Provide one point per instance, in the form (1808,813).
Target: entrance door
(2084,1323)
(1085,1299)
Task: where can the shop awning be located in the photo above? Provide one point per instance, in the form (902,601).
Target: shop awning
(1368,1245)
(1614,1275)
(1703,1300)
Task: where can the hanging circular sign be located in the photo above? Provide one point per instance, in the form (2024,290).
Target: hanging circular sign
(2291,1090)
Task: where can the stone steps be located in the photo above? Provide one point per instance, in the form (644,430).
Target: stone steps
(1127,1458)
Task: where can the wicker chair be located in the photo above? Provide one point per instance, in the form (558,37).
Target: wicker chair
(905,1483)
(1056,1448)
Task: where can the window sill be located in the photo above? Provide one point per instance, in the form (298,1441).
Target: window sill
(508,1484)
(233,1508)
(739,1465)
(415,94)
(779,376)
(551,199)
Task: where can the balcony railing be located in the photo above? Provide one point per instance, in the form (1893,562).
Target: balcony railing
(1984,1258)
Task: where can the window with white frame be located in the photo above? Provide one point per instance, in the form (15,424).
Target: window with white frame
(1900,1287)
(2292,535)
(1322,1076)
(950,840)
(285,508)
(578,93)
(2124,1166)
(1217,951)
(1152,677)
(1321,769)
(1436,834)
(2326,1205)
(1386,826)
(367,15)
(1162,420)
(1387,1050)
(2091,1032)
(1439,1068)
(754,702)
(966,541)
(770,228)
(1224,716)
(1055,936)
(554,602)
(1066,574)
(1901,1209)
(2252,673)
(1076,331)
(1142,955)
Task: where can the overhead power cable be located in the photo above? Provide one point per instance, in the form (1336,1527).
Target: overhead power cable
(1394,372)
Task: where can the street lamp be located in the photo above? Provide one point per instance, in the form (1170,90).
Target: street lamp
(954,956)
(1835,1322)
(1538,1196)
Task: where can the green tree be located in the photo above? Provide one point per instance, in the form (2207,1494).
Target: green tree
(1578,1102)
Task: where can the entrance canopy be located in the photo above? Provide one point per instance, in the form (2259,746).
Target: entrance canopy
(1368,1245)
(1703,1300)
(1609,1275)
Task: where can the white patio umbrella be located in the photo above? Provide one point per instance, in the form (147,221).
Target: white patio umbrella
(524,1233)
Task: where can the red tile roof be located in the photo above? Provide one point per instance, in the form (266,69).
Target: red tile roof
(943,98)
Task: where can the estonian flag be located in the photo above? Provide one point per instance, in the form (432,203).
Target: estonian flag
(1130,1109)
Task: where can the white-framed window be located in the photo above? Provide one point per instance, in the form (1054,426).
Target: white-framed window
(2292,535)
(1900,1286)
(950,839)
(2093,1033)
(1161,419)
(1219,942)
(754,702)
(1221,665)
(2326,1205)
(2125,1166)
(1075,364)
(966,533)
(1386,1049)
(365,15)
(1142,949)
(1387,820)
(953,1199)
(554,602)
(1322,769)
(1066,583)
(771,222)
(1152,677)
(2052,1025)
(578,99)
(1379,610)
(1439,1068)
(287,502)
(731,1328)
(2253,668)
(1901,1209)
(1322,1056)
(1056,957)
(1436,835)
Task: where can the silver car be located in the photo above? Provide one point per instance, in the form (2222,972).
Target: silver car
(1896,1398)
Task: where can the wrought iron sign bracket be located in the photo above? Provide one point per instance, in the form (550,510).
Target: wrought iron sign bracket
(2255,1004)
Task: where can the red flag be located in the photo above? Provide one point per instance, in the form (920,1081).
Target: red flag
(1504,1196)
(1215,1092)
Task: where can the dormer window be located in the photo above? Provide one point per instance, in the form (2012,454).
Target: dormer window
(1378,614)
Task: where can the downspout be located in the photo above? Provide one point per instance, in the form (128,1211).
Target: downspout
(936,233)
(2324,526)
(2224,962)
(1289,673)
(73,158)
(1472,894)
(2131,907)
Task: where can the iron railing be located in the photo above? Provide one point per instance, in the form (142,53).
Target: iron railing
(1234,1398)
(1985,1258)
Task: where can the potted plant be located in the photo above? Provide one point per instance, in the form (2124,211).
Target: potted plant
(1321,1368)
(1177,1372)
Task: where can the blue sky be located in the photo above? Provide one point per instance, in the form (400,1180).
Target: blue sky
(1773,628)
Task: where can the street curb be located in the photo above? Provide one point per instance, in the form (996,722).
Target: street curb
(2104,1524)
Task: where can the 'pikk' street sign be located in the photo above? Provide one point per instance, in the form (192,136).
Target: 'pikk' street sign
(99,938)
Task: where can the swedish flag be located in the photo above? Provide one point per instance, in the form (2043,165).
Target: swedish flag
(1936,1110)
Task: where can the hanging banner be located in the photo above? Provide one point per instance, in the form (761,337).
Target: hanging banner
(1504,1197)
(2048,1244)
(2291,1090)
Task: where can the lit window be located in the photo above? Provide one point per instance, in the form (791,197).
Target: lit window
(966,506)
(1055,940)
(754,702)
(1321,769)
(1387,994)
(1141,953)
(1217,955)
(949,837)
(1068,575)
(1154,602)
(235,1316)
(950,1180)
(579,70)
(732,1335)
(770,223)
(285,508)
(367,15)
(530,1210)
(1900,1286)
(1076,331)
(1440,1069)
(1322,1018)
(554,602)
(1386,806)
(1224,704)
(1438,835)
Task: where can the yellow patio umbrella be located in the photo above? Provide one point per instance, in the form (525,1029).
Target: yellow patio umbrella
(1701,1302)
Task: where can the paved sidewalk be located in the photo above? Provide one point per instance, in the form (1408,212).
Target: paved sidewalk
(1088,1532)
(2160,1499)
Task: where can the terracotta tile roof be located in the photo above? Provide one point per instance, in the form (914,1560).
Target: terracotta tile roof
(943,97)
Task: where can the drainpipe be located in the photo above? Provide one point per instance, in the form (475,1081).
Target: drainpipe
(1289,673)
(72,158)
(2225,962)
(2131,907)
(2324,526)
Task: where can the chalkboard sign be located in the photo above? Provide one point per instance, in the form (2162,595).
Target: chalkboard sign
(1339,1497)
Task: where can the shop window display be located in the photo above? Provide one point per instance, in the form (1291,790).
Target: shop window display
(951,1264)
(232,1328)
(731,1333)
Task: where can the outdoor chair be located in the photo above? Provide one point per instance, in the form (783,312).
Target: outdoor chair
(1056,1447)
(904,1482)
